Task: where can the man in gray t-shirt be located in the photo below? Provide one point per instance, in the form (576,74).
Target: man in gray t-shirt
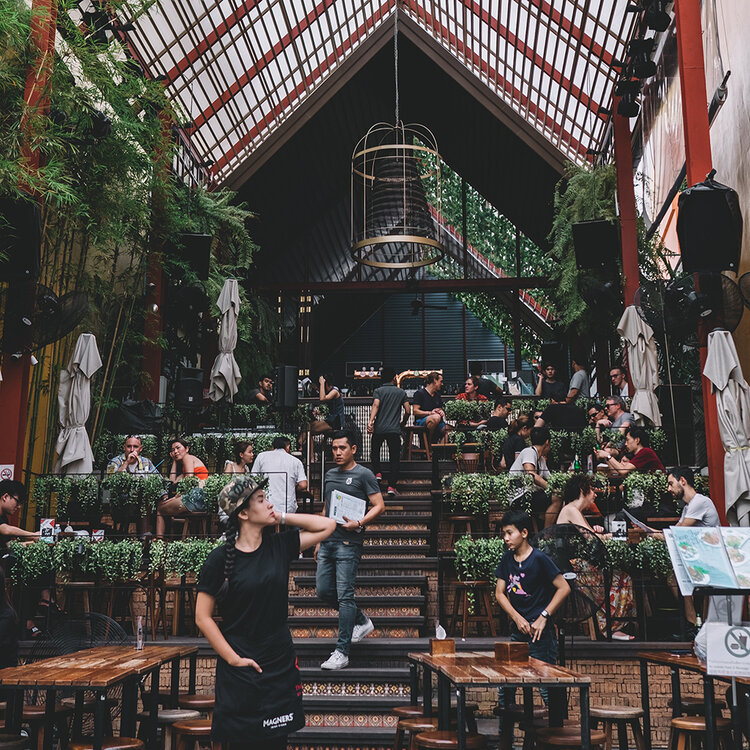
(338,556)
(385,425)
(579,382)
(699,510)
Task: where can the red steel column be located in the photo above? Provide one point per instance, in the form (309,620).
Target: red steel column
(14,390)
(698,162)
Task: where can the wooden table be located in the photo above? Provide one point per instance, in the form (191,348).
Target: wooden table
(96,669)
(689,663)
(481,669)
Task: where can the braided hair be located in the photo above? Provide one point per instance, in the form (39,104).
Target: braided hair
(233,528)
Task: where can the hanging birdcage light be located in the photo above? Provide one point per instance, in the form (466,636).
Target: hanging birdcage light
(393,224)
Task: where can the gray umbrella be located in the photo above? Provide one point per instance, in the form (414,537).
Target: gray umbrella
(225,374)
(74,397)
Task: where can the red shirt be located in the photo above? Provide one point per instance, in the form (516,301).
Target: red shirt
(465,397)
(646,460)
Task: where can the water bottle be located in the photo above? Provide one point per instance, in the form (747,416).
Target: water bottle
(139,634)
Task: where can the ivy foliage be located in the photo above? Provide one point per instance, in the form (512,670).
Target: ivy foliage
(477,559)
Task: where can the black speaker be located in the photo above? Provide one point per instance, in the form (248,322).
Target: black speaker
(20,239)
(678,423)
(597,245)
(196,251)
(188,390)
(709,227)
(285,386)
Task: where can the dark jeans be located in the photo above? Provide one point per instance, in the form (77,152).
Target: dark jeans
(545,649)
(335,578)
(393,439)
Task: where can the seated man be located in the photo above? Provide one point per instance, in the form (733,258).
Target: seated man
(486,387)
(595,413)
(132,462)
(533,460)
(329,394)
(618,377)
(617,417)
(562,415)
(263,394)
(427,406)
(499,418)
(642,456)
(285,472)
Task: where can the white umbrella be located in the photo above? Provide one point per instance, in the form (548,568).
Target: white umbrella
(723,369)
(642,363)
(225,374)
(74,397)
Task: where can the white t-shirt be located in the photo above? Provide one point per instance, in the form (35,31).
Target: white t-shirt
(530,456)
(702,509)
(284,471)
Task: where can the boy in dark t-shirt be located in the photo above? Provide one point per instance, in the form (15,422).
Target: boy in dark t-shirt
(530,588)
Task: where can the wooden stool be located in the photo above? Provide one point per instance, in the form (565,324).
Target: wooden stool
(687,730)
(440,739)
(198,702)
(109,743)
(187,733)
(513,714)
(695,706)
(408,712)
(423,438)
(455,522)
(405,713)
(167,717)
(34,717)
(621,717)
(13,742)
(566,737)
(195,521)
(481,602)
(412,726)
(71,589)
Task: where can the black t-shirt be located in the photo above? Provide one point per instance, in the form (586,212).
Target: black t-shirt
(497,423)
(255,400)
(257,605)
(8,638)
(4,538)
(486,388)
(427,402)
(528,584)
(513,444)
(564,417)
(553,388)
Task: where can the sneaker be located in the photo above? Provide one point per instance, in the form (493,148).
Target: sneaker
(336,660)
(391,491)
(379,477)
(362,631)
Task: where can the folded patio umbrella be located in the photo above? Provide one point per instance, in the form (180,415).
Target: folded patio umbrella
(723,369)
(225,374)
(642,363)
(74,397)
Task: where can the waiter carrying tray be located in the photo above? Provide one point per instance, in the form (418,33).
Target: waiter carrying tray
(348,489)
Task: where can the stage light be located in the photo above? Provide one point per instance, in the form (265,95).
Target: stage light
(641,64)
(656,16)
(628,92)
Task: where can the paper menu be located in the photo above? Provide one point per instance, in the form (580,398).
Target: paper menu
(702,551)
(737,544)
(681,575)
(341,504)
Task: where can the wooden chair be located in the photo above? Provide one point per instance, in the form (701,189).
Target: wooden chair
(482,604)
(620,717)
(689,731)
(422,449)
(188,733)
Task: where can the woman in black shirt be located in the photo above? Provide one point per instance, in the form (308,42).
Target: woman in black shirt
(258,685)
(518,435)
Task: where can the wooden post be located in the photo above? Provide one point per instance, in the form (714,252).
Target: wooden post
(699,163)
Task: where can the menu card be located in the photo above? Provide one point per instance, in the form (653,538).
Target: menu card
(703,553)
(737,543)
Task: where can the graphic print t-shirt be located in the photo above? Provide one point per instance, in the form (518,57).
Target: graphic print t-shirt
(528,585)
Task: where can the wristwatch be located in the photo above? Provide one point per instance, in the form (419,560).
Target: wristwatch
(545,614)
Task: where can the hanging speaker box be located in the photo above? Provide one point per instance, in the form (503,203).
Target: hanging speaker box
(597,245)
(196,252)
(20,239)
(709,227)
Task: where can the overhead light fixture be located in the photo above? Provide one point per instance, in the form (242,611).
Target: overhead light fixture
(628,92)
(641,64)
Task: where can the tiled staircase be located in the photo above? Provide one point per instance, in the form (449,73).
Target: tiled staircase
(397,588)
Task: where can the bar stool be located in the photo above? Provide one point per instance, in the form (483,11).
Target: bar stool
(198,702)
(187,733)
(621,717)
(406,713)
(442,739)
(512,714)
(194,523)
(423,448)
(412,727)
(569,737)
(14,742)
(687,730)
(482,604)
(455,522)
(166,718)
(696,706)
(34,717)
(109,743)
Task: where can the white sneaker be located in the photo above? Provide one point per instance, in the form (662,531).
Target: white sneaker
(336,660)
(360,632)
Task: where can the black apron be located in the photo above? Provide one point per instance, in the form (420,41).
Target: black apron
(258,705)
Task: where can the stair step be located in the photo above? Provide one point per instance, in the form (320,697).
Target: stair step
(375,580)
(392,593)
(369,703)
(378,565)
(338,738)
(355,674)
(367,601)
(327,626)
(373,533)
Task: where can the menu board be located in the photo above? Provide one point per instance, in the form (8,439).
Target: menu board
(737,543)
(705,557)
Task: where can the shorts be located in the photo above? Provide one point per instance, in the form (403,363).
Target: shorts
(422,421)
(194,500)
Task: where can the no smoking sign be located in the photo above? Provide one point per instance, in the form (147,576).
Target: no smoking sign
(728,650)
(6,471)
